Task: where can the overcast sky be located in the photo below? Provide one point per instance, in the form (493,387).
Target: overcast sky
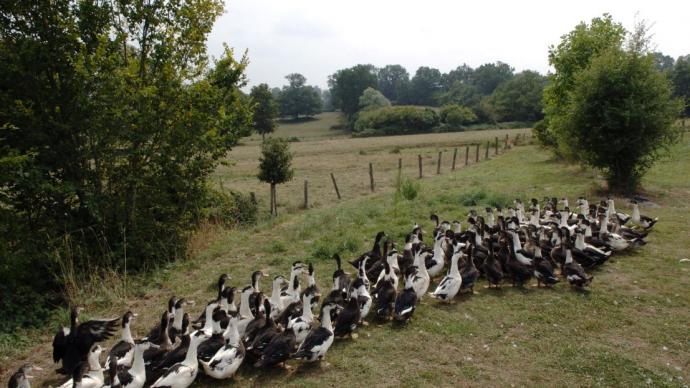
(318,37)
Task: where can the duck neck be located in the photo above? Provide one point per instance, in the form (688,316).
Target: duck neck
(564,219)
(392,260)
(138,366)
(568,256)
(245,311)
(454,271)
(190,358)
(604,226)
(310,280)
(326,320)
(584,207)
(275,295)
(127,334)
(580,241)
(612,207)
(94,363)
(307,314)
(588,231)
(294,282)
(208,324)
(232,335)
(517,245)
(636,213)
(421,266)
(177,320)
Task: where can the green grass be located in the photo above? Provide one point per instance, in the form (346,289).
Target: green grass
(631,329)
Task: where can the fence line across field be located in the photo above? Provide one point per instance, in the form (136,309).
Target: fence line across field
(439,161)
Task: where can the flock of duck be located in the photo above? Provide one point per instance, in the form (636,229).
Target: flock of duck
(544,241)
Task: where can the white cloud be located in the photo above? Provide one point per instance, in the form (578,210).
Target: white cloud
(318,37)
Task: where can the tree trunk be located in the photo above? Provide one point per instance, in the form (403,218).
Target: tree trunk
(271,196)
(263,136)
(275,202)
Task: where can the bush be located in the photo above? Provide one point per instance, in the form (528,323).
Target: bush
(456,116)
(406,188)
(230,208)
(396,120)
(544,135)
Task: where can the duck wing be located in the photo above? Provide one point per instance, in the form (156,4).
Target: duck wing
(59,344)
(313,343)
(405,303)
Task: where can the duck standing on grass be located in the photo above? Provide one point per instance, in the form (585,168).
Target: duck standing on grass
(88,374)
(227,359)
(451,283)
(348,318)
(406,302)
(182,375)
(385,293)
(123,351)
(134,377)
(320,339)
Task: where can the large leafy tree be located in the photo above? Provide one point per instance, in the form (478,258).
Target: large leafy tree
(520,98)
(619,113)
(425,86)
(393,82)
(348,84)
(488,76)
(112,116)
(265,109)
(680,75)
(572,55)
(460,75)
(297,98)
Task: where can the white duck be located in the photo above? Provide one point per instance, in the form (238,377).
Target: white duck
(292,293)
(227,359)
(182,375)
(246,314)
(438,260)
(277,301)
(90,375)
(134,377)
(302,324)
(451,283)
(421,281)
(319,340)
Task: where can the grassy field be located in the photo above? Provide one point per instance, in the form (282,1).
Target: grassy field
(631,329)
(322,151)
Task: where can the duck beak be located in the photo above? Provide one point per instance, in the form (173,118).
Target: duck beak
(191,303)
(135,315)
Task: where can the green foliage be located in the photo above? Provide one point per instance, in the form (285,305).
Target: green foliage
(393,82)
(425,86)
(111,119)
(572,55)
(265,109)
(680,76)
(297,98)
(520,98)
(488,76)
(406,188)
(373,99)
(347,85)
(620,113)
(397,119)
(461,75)
(275,163)
(456,116)
(230,208)
(545,137)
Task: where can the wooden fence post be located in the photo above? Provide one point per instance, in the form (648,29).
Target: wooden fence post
(496,146)
(420,166)
(306,194)
(335,185)
(506,143)
(517,139)
(476,152)
(486,154)
(371,176)
(467,155)
(455,156)
(399,166)
(438,165)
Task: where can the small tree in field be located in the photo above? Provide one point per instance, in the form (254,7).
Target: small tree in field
(275,166)
(373,99)
(265,110)
(620,113)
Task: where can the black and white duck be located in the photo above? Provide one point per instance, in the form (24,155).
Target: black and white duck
(406,301)
(179,324)
(320,339)
(519,272)
(209,347)
(645,222)
(278,350)
(543,270)
(374,255)
(361,292)
(451,283)
(123,350)
(72,345)
(155,332)
(435,264)
(220,287)
(492,268)
(391,257)
(277,302)
(292,292)
(182,375)
(134,377)
(311,284)
(257,323)
(228,358)
(258,340)
(302,324)
(246,314)
(256,278)
(88,374)
(574,272)
(349,317)
(421,280)
(468,271)
(385,294)
(21,378)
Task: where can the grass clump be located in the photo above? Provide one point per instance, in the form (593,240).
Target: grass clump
(406,188)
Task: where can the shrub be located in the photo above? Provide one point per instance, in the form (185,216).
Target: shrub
(456,116)
(406,188)
(396,120)
(230,208)
(372,99)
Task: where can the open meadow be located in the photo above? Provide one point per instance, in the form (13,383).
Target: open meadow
(630,329)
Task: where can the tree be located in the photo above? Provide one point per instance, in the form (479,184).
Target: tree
(327,101)
(520,98)
(680,76)
(461,94)
(114,117)
(275,166)
(372,99)
(572,55)
(297,98)
(393,82)
(663,62)
(488,76)
(425,86)
(460,75)
(620,113)
(265,110)
(348,84)
(455,116)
